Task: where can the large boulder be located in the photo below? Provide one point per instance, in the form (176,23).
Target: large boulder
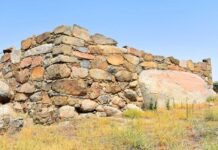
(5,92)
(173,87)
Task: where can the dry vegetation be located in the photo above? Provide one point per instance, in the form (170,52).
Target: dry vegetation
(176,129)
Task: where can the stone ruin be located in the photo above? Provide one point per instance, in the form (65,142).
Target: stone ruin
(68,73)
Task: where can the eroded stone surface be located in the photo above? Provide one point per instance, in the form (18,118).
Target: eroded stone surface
(5,92)
(102,40)
(58,71)
(64,73)
(174,86)
(71,87)
(99,74)
(42,49)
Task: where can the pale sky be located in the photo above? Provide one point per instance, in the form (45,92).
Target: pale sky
(186,29)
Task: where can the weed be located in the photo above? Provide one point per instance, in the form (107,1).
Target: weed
(212,99)
(133,113)
(211,115)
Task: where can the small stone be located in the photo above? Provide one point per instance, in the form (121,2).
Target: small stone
(20,97)
(174,67)
(204,66)
(134,52)
(6,111)
(70,87)
(83,55)
(70,41)
(60,100)
(67,112)
(94,91)
(134,76)
(111,111)
(79,72)
(106,49)
(82,49)
(99,62)
(131,95)
(102,40)
(88,106)
(8,50)
(85,64)
(37,61)
(62,49)
(162,66)
(45,99)
(148,57)
(115,60)
(9,75)
(133,84)
(26,88)
(16,125)
(43,37)
(101,114)
(174,61)
(159,58)
(22,76)
(118,101)
(113,69)
(190,65)
(28,43)
(80,33)
(37,73)
(123,76)
(132,59)
(15,56)
(6,92)
(130,67)
(114,88)
(133,107)
(26,62)
(46,116)
(98,74)
(62,30)
(64,59)
(6,57)
(42,49)
(36,97)
(149,65)
(18,107)
(104,99)
(57,71)
(100,108)
(73,101)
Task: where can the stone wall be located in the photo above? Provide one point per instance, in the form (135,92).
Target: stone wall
(66,73)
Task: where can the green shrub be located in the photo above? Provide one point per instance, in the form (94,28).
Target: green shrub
(168,104)
(212,99)
(152,105)
(133,113)
(215,86)
(211,115)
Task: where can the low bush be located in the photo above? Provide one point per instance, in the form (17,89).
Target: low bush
(211,115)
(212,99)
(133,113)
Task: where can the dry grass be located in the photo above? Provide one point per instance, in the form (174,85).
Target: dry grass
(162,129)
